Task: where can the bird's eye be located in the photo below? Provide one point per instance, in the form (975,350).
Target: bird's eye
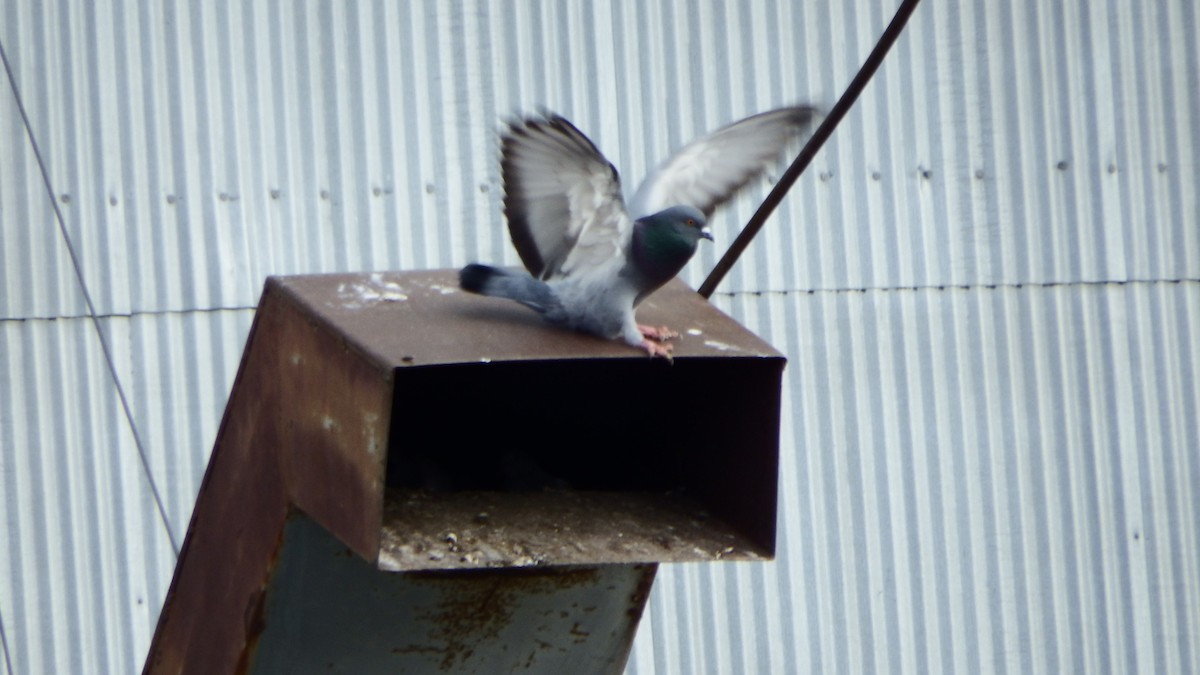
(691,222)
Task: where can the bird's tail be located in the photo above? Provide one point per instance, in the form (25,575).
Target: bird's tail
(496,282)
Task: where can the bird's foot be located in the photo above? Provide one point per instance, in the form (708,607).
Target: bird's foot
(661,333)
(658,349)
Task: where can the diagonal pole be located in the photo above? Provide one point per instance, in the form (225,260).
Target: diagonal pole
(810,149)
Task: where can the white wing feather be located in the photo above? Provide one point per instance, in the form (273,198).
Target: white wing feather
(709,170)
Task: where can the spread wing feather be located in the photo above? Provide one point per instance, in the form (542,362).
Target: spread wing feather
(562,198)
(708,171)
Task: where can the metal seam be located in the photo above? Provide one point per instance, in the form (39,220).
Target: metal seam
(131,315)
(1014,286)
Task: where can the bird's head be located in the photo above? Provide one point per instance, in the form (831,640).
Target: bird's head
(663,242)
(686,222)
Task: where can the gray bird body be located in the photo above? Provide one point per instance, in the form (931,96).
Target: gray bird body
(595,305)
(590,262)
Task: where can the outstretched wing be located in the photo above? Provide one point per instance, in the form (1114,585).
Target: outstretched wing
(562,198)
(707,171)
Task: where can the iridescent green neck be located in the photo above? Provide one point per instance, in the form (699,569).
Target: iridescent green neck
(660,249)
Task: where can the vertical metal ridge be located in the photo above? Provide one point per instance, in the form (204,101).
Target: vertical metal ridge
(1009,569)
(208,158)
(88,294)
(37,249)
(72,505)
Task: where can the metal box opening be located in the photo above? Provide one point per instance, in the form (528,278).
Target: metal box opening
(616,424)
(579,461)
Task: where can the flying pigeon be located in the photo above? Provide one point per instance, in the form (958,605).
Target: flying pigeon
(591,259)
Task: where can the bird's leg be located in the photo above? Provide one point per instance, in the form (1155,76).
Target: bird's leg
(661,333)
(658,349)
(648,338)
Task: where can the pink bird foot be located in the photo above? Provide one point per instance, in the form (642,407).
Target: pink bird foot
(661,334)
(657,349)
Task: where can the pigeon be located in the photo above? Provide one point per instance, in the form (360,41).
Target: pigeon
(590,258)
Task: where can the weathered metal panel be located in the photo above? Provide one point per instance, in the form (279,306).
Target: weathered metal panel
(305,427)
(399,104)
(85,555)
(328,610)
(421,318)
(199,168)
(31,247)
(79,518)
(984,480)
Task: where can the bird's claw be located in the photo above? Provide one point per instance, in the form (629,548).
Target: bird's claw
(661,333)
(658,349)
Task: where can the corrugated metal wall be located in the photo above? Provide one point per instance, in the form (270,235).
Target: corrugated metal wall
(988,285)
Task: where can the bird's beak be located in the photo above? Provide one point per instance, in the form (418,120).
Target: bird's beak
(706,234)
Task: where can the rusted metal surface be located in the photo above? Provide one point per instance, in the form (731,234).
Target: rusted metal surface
(234,531)
(336,413)
(329,611)
(533,447)
(448,530)
(421,318)
(305,426)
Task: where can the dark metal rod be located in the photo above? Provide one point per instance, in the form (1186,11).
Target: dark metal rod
(810,149)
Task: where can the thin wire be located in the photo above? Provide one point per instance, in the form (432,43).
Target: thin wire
(810,149)
(91,307)
(4,644)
